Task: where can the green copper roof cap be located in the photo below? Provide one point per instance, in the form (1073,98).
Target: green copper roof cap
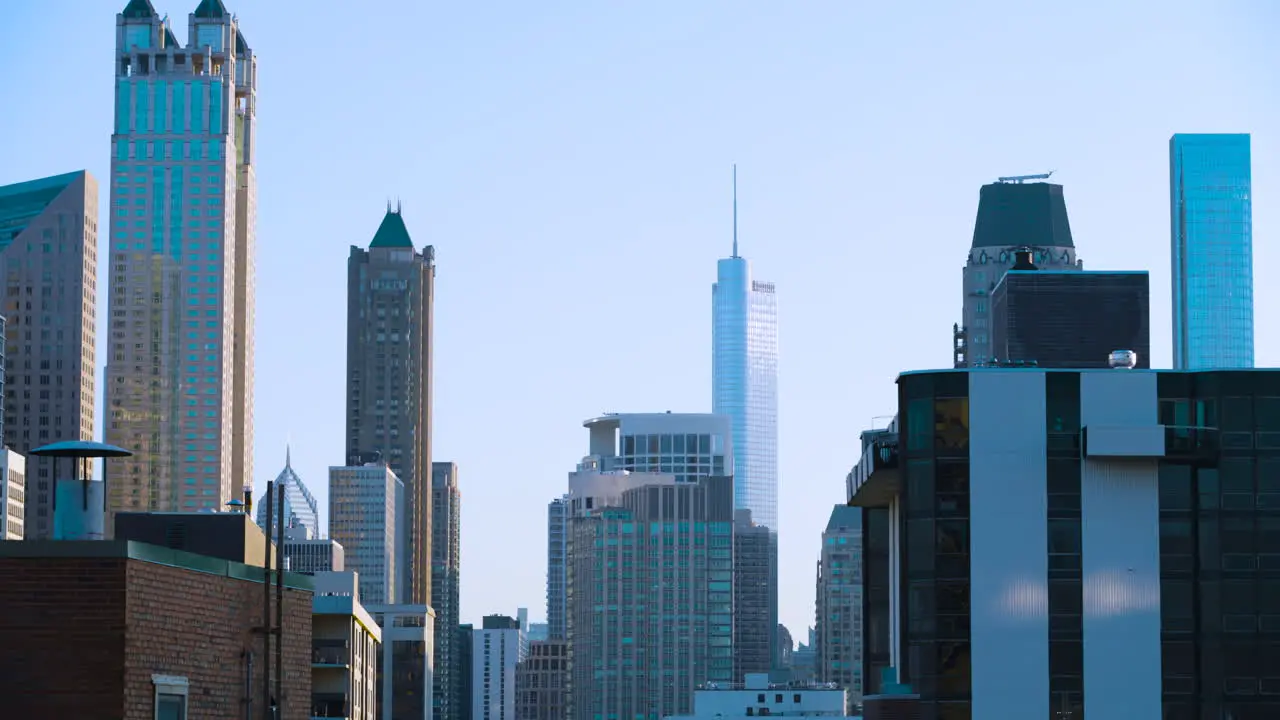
(1033,214)
(211,9)
(392,233)
(139,9)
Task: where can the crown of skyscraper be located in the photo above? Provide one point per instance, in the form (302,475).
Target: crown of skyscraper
(1031,214)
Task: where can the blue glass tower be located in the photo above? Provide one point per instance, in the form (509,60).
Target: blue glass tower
(744,378)
(1211,231)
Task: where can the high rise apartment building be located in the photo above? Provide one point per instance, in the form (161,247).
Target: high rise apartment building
(557,552)
(390,289)
(744,379)
(364,514)
(498,646)
(650,590)
(542,681)
(446,578)
(1211,250)
(180,354)
(49,271)
(839,606)
(1012,215)
(300,509)
(754,632)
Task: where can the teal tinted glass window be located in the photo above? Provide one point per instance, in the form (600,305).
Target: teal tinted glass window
(144,108)
(180,107)
(122,105)
(137,36)
(215,107)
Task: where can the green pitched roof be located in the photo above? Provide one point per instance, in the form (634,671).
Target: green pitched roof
(139,9)
(23,202)
(392,233)
(211,9)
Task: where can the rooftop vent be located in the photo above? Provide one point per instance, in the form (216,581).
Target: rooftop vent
(1022,260)
(1123,359)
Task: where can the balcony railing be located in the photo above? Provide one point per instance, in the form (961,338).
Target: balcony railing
(329,706)
(334,656)
(876,473)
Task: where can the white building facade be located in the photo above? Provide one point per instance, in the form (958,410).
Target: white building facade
(496,653)
(13,493)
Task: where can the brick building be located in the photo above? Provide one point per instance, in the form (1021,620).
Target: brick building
(109,629)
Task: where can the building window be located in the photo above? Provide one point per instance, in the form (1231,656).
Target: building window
(171,697)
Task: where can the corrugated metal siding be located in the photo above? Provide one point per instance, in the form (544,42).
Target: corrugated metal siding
(1008,540)
(1120,544)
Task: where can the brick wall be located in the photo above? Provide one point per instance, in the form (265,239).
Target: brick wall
(218,622)
(78,645)
(62,629)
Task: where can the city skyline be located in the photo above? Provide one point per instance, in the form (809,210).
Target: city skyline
(842,234)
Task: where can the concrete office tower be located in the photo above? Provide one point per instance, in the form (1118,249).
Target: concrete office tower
(839,607)
(754,631)
(390,288)
(363,514)
(446,568)
(744,379)
(49,268)
(300,508)
(557,550)
(13,493)
(1211,248)
(497,649)
(633,530)
(1073,319)
(1012,214)
(309,555)
(180,357)
(542,681)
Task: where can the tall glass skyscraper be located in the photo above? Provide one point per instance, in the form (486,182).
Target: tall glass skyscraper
(300,508)
(744,378)
(180,355)
(744,372)
(1211,232)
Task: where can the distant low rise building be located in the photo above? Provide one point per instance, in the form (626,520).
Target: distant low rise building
(312,555)
(757,697)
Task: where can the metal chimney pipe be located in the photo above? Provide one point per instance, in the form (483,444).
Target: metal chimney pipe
(280,600)
(266,607)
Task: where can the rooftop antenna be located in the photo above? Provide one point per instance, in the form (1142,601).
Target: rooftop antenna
(288,450)
(388,204)
(1020,179)
(397,204)
(735,210)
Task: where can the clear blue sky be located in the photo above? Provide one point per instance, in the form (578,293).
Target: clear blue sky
(570,161)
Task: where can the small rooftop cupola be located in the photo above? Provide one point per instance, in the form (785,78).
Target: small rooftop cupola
(392,233)
(1022,260)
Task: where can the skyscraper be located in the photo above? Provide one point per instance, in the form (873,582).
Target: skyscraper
(180,357)
(1211,247)
(744,372)
(557,552)
(300,508)
(744,378)
(1012,215)
(49,269)
(650,535)
(364,517)
(446,566)
(390,289)
(497,649)
(839,607)
(754,632)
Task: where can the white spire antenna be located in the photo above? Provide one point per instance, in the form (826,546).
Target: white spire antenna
(735,210)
